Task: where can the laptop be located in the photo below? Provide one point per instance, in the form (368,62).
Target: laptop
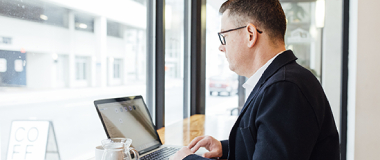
(128,117)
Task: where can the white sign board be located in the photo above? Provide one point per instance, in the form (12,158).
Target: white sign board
(28,140)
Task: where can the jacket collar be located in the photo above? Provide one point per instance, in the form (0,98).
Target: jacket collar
(280,61)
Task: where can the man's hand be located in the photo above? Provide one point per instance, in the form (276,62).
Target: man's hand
(181,154)
(210,143)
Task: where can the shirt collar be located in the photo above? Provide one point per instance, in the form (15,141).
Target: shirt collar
(252,81)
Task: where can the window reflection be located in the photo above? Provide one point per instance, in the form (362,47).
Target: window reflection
(303,35)
(224,84)
(221,83)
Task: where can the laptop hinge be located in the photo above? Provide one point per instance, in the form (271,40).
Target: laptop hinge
(149,149)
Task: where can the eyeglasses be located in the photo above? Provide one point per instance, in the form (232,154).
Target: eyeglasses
(223,40)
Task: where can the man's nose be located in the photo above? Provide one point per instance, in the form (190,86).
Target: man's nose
(222,48)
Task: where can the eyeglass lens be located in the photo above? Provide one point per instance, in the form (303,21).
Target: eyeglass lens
(222,40)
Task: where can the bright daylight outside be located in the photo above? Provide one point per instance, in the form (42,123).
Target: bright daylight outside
(303,36)
(221,82)
(58,56)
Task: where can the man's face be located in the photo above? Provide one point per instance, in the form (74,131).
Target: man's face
(235,49)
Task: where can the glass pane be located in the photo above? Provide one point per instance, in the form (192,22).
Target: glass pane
(221,82)
(304,34)
(314,38)
(57,57)
(174,56)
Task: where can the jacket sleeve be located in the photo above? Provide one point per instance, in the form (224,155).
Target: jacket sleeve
(224,149)
(286,125)
(196,157)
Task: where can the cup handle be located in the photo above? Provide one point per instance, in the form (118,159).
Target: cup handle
(135,153)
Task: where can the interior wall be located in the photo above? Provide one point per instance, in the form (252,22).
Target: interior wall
(364,89)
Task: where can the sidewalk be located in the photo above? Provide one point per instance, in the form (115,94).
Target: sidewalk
(17,96)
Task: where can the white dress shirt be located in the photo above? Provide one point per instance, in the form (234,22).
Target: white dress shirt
(252,81)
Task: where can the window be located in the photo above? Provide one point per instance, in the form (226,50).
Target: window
(304,34)
(117,69)
(81,68)
(36,12)
(53,65)
(62,69)
(114,29)
(84,22)
(314,33)
(221,83)
(19,67)
(174,56)
(12,68)
(3,65)
(85,36)
(315,39)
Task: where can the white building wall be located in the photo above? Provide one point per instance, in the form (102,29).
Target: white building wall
(127,12)
(84,43)
(33,36)
(46,40)
(115,47)
(100,28)
(39,70)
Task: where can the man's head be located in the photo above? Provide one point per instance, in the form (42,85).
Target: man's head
(266,15)
(248,47)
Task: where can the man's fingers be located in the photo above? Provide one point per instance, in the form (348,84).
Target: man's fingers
(200,144)
(194,142)
(195,148)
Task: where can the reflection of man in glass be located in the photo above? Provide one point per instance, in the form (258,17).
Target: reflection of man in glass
(286,115)
(139,115)
(136,113)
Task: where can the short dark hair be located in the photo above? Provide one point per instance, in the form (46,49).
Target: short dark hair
(267,15)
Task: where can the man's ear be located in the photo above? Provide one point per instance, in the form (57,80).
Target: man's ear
(252,34)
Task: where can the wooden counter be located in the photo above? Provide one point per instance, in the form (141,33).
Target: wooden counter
(182,132)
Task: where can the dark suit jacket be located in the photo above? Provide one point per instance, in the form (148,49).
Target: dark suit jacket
(286,117)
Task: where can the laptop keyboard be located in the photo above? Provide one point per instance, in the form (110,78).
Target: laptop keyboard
(163,153)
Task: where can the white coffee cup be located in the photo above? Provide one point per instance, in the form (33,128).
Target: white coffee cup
(99,150)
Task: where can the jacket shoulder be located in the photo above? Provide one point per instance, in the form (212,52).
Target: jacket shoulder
(307,83)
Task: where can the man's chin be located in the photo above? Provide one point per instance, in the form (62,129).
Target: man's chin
(232,69)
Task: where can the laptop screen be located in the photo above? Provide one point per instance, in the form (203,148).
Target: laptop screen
(128,117)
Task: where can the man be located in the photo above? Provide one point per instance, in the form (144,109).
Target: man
(287,115)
